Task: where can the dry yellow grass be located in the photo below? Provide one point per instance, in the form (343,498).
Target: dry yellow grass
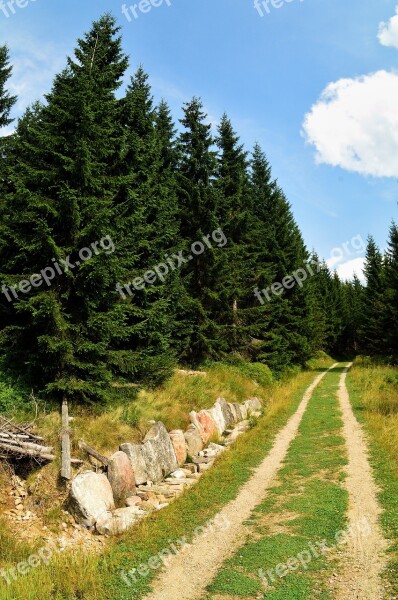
(129,419)
(173,402)
(378,386)
(170,403)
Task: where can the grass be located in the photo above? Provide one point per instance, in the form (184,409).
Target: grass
(129,418)
(99,578)
(307,504)
(374,396)
(173,402)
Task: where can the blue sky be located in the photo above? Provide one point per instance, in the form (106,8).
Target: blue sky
(267,72)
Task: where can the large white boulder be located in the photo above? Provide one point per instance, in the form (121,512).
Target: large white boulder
(159,455)
(90,497)
(227,412)
(218,417)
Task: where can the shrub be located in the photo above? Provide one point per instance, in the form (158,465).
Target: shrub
(11,397)
(258,372)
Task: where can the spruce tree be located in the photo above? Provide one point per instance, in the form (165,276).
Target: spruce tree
(281,330)
(7,101)
(391,295)
(234,215)
(150,225)
(198,201)
(374,303)
(354,316)
(180,301)
(64,183)
(317,290)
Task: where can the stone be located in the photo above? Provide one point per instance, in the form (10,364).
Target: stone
(233,411)
(238,412)
(159,455)
(194,441)
(218,417)
(205,423)
(234,436)
(190,467)
(179,474)
(243,410)
(143,495)
(215,449)
(179,444)
(253,406)
(115,523)
(149,505)
(133,500)
(90,498)
(227,412)
(137,460)
(175,482)
(121,476)
(152,466)
(203,460)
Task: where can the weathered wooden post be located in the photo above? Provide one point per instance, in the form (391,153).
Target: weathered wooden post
(66,469)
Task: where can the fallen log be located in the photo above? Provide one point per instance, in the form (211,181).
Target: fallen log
(27,446)
(23,451)
(8,426)
(17,436)
(102,459)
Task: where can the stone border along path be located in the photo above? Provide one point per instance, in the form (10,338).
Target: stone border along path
(363,559)
(189,573)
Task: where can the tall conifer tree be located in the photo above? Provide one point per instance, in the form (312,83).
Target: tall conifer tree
(234,216)
(64,184)
(391,279)
(198,197)
(374,307)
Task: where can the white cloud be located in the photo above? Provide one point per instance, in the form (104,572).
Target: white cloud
(334,260)
(347,270)
(388,32)
(6,131)
(354,124)
(34,66)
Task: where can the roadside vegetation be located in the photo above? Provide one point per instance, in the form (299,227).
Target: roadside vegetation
(374,395)
(70,576)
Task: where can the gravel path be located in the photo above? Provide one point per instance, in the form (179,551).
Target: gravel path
(189,573)
(364,556)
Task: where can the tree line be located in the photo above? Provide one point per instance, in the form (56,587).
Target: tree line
(93,163)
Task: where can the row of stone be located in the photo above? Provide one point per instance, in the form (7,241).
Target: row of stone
(94,496)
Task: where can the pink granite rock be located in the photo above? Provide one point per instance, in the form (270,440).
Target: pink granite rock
(121,477)
(179,445)
(205,423)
